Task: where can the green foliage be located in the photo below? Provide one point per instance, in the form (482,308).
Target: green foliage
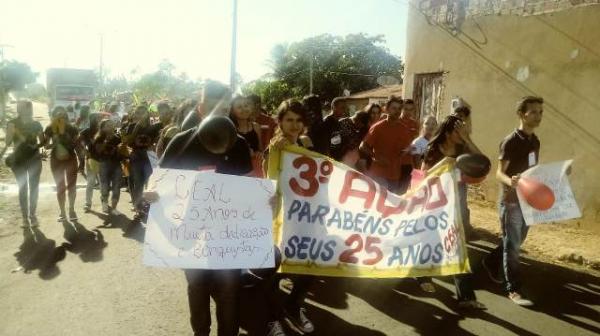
(353,63)
(15,75)
(36,91)
(272,92)
(165,83)
(113,86)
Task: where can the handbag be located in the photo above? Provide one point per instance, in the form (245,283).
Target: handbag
(10,160)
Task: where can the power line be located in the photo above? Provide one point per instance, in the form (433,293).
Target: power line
(558,114)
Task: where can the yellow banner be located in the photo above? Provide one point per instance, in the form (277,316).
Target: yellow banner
(335,221)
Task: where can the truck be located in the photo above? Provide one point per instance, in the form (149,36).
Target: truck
(74,87)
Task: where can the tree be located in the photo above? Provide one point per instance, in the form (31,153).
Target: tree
(36,91)
(165,83)
(352,63)
(14,76)
(272,92)
(114,85)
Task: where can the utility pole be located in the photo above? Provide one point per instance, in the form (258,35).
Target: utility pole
(101,63)
(311,73)
(233,74)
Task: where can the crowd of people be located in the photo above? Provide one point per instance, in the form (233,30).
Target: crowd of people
(386,143)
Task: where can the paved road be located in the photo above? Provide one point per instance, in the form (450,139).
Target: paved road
(87,279)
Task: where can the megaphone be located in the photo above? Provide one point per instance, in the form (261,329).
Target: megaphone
(217,133)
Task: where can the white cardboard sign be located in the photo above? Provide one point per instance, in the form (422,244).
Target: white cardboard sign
(555,177)
(207,220)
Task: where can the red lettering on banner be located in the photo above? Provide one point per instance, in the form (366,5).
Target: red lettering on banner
(309,176)
(436,183)
(347,191)
(386,210)
(420,198)
(430,196)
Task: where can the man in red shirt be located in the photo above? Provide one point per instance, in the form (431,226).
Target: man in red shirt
(407,119)
(388,143)
(267,124)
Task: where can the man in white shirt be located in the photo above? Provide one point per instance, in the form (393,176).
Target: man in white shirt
(419,145)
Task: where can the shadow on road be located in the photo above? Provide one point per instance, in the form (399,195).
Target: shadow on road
(131,229)
(254,316)
(39,252)
(89,245)
(559,292)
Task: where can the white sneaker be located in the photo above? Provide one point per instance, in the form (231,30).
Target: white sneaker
(519,299)
(275,329)
(105,207)
(300,321)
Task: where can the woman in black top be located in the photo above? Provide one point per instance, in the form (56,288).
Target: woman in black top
(139,136)
(451,139)
(240,113)
(106,149)
(63,137)
(91,161)
(26,136)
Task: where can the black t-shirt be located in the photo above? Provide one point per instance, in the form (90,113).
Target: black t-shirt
(326,136)
(350,136)
(186,151)
(144,137)
(521,151)
(106,148)
(26,139)
(252,139)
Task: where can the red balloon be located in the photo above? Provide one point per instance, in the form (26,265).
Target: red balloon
(537,194)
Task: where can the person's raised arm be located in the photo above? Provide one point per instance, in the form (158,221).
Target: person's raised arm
(463,131)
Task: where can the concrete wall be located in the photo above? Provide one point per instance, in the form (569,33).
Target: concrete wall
(492,61)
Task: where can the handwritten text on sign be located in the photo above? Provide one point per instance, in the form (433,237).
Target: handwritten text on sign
(554,176)
(209,221)
(338,222)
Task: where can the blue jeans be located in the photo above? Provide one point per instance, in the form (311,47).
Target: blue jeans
(110,180)
(28,180)
(514,232)
(140,171)
(465,213)
(91,179)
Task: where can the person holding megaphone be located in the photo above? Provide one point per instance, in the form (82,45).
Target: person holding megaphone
(209,141)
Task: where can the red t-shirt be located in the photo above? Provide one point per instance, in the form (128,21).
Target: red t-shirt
(267,128)
(388,139)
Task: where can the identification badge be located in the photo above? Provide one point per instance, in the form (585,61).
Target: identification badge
(532,160)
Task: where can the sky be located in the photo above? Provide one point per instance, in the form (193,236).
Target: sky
(194,35)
